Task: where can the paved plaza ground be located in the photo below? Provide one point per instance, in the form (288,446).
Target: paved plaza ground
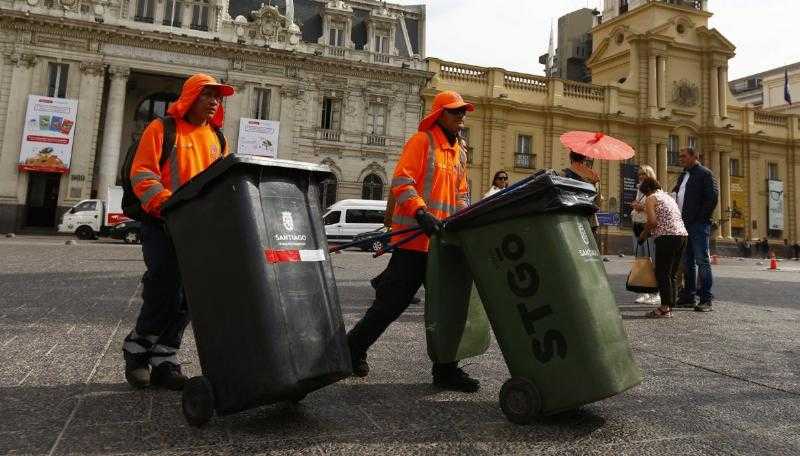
(726,382)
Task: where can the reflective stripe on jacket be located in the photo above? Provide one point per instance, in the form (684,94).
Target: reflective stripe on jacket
(430,174)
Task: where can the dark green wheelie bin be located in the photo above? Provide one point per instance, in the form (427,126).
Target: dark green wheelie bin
(545,290)
(456,326)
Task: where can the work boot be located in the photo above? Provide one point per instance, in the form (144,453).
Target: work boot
(137,369)
(136,352)
(168,375)
(360,366)
(684,303)
(703,307)
(451,377)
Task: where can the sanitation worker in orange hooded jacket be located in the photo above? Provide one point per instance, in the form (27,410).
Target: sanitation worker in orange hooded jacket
(428,185)
(154,342)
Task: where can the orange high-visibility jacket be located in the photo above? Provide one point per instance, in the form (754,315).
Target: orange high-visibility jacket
(196,148)
(431,174)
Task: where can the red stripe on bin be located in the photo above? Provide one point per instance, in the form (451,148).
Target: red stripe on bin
(282,256)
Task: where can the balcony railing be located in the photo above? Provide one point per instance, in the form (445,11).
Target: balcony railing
(463,72)
(329,135)
(762,118)
(376,140)
(526,161)
(381,58)
(525,82)
(336,51)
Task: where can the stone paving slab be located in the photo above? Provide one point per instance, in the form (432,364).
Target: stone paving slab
(727,382)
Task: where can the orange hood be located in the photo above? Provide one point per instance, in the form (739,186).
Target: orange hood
(442,101)
(191,90)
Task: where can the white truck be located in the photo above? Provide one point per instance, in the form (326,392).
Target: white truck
(92,218)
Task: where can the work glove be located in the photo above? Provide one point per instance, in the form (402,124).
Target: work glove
(429,223)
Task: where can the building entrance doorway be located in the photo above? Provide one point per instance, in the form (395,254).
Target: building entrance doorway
(42,199)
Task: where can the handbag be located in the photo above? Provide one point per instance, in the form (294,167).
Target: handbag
(642,278)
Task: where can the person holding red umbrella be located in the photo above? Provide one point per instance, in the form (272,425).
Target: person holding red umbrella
(585,145)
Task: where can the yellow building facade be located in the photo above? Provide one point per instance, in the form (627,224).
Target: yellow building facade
(660,84)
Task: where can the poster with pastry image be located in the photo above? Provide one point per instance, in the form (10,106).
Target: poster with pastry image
(48,134)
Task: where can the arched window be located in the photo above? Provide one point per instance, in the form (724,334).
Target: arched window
(154,106)
(327,195)
(372,188)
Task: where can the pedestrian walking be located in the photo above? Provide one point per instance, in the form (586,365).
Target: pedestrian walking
(499,182)
(697,194)
(639,219)
(193,123)
(664,225)
(429,184)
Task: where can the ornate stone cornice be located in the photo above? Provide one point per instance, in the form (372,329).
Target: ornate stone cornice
(92,68)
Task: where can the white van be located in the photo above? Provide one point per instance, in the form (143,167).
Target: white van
(350,217)
(92,218)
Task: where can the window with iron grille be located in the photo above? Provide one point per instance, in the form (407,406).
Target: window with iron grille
(735,167)
(261,109)
(57,80)
(376,119)
(336,36)
(331,109)
(382,44)
(173,11)
(772,172)
(144,11)
(524,157)
(200,17)
(672,151)
(469,148)
(372,189)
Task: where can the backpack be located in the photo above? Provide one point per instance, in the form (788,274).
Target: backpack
(131,205)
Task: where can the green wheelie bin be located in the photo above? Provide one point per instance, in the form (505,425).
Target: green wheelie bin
(456,326)
(545,290)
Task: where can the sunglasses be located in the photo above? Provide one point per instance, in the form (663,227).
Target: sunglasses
(457,112)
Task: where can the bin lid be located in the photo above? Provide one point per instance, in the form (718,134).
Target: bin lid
(543,192)
(193,187)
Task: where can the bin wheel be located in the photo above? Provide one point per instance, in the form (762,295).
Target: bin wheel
(520,400)
(198,401)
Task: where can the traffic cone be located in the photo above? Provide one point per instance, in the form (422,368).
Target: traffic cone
(773,262)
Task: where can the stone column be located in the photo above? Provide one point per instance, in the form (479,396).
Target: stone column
(723,91)
(87,123)
(661,171)
(112,131)
(652,156)
(725,191)
(714,86)
(662,82)
(652,83)
(19,89)
(235,109)
(715,168)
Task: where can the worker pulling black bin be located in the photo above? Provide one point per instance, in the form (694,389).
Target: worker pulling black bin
(259,282)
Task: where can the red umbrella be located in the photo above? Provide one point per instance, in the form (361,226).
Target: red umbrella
(596,145)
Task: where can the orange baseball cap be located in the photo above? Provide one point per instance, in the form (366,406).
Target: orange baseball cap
(442,101)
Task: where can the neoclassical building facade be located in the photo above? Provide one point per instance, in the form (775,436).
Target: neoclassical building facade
(343,78)
(659,82)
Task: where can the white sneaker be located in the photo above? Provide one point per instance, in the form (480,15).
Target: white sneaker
(643,299)
(655,299)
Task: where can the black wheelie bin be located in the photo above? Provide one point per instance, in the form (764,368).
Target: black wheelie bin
(259,283)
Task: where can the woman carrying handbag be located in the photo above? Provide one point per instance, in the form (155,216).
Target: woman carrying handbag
(665,225)
(639,219)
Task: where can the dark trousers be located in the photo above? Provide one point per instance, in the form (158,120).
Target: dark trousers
(697,264)
(397,285)
(164,314)
(669,250)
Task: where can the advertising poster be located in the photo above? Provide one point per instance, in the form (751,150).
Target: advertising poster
(47,135)
(258,137)
(739,203)
(629,178)
(775,205)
